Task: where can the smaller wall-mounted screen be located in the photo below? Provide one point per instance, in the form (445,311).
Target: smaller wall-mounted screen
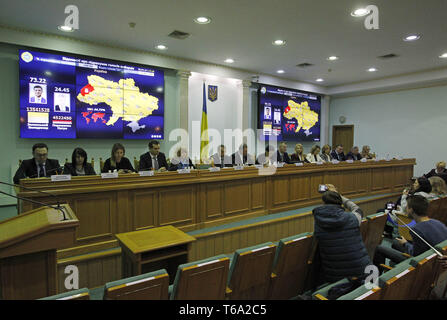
(288,114)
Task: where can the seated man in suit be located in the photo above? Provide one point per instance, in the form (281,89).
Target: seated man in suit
(220,159)
(354,154)
(39,166)
(154,159)
(338,154)
(267,158)
(242,157)
(282,155)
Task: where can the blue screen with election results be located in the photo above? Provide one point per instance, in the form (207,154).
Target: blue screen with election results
(288,114)
(69,96)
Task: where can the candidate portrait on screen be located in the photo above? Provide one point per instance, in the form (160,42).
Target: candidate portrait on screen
(37,93)
(267,113)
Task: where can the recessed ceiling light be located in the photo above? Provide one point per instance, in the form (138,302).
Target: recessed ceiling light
(319,80)
(229,60)
(412,37)
(372,69)
(161,47)
(280,71)
(279,42)
(443,56)
(332,58)
(360,12)
(202,20)
(65,28)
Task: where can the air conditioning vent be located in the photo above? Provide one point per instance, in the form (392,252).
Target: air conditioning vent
(179,34)
(304,65)
(388,56)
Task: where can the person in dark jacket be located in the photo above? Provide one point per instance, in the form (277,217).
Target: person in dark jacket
(431,230)
(81,167)
(338,154)
(354,154)
(39,166)
(154,158)
(439,171)
(281,154)
(341,248)
(118,161)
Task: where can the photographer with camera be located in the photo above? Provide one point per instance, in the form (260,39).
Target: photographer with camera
(341,248)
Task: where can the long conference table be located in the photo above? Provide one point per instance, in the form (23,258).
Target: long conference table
(203,198)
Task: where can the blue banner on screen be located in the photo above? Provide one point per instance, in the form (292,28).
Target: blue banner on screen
(288,114)
(63,96)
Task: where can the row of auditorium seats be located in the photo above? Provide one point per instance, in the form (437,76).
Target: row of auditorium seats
(416,278)
(266,271)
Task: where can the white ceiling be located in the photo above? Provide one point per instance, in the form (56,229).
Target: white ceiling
(245,29)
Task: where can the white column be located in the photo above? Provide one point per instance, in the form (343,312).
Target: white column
(183,97)
(324,125)
(246,107)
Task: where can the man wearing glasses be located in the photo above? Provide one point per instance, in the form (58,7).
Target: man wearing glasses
(39,166)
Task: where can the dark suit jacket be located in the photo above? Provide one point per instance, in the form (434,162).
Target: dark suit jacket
(28,169)
(286,157)
(124,164)
(146,161)
(351,156)
(70,169)
(433,173)
(340,157)
(294,158)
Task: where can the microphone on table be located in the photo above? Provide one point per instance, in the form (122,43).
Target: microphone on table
(58,207)
(394,216)
(47,171)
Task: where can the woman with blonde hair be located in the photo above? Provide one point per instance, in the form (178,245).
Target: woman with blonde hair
(314,155)
(118,161)
(326,153)
(438,186)
(299,155)
(365,153)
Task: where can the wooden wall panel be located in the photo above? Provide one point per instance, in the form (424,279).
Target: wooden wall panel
(280,190)
(299,187)
(258,190)
(177,206)
(212,201)
(144,209)
(236,197)
(96,217)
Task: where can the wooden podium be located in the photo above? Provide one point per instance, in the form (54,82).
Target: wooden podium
(28,244)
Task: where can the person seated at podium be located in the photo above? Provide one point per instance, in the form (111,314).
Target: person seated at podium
(267,158)
(81,167)
(154,159)
(354,154)
(326,153)
(314,155)
(241,157)
(181,161)
(39,166)
(281,154)
(299,155)
(366,153)
(220,159)
(118,161)
(338,154)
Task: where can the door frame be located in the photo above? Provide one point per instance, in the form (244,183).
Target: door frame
(341,126)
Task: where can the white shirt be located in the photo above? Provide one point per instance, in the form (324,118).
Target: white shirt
(314,158)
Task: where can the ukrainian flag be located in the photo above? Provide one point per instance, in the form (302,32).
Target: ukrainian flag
(204,140)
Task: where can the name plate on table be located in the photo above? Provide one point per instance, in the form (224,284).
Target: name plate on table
(376,159)
(238,167)
(363,160)
(109,175)
(335,162)
(214,169)
(319,163)
(280,164)
(400,158)
(61,177)
(349,161)
(147,173)
(259,166)
(186,170)
(298,164)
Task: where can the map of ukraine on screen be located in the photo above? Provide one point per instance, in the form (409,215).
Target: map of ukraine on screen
(69,97)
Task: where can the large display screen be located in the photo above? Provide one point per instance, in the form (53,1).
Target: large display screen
(288,114)
(68,96)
